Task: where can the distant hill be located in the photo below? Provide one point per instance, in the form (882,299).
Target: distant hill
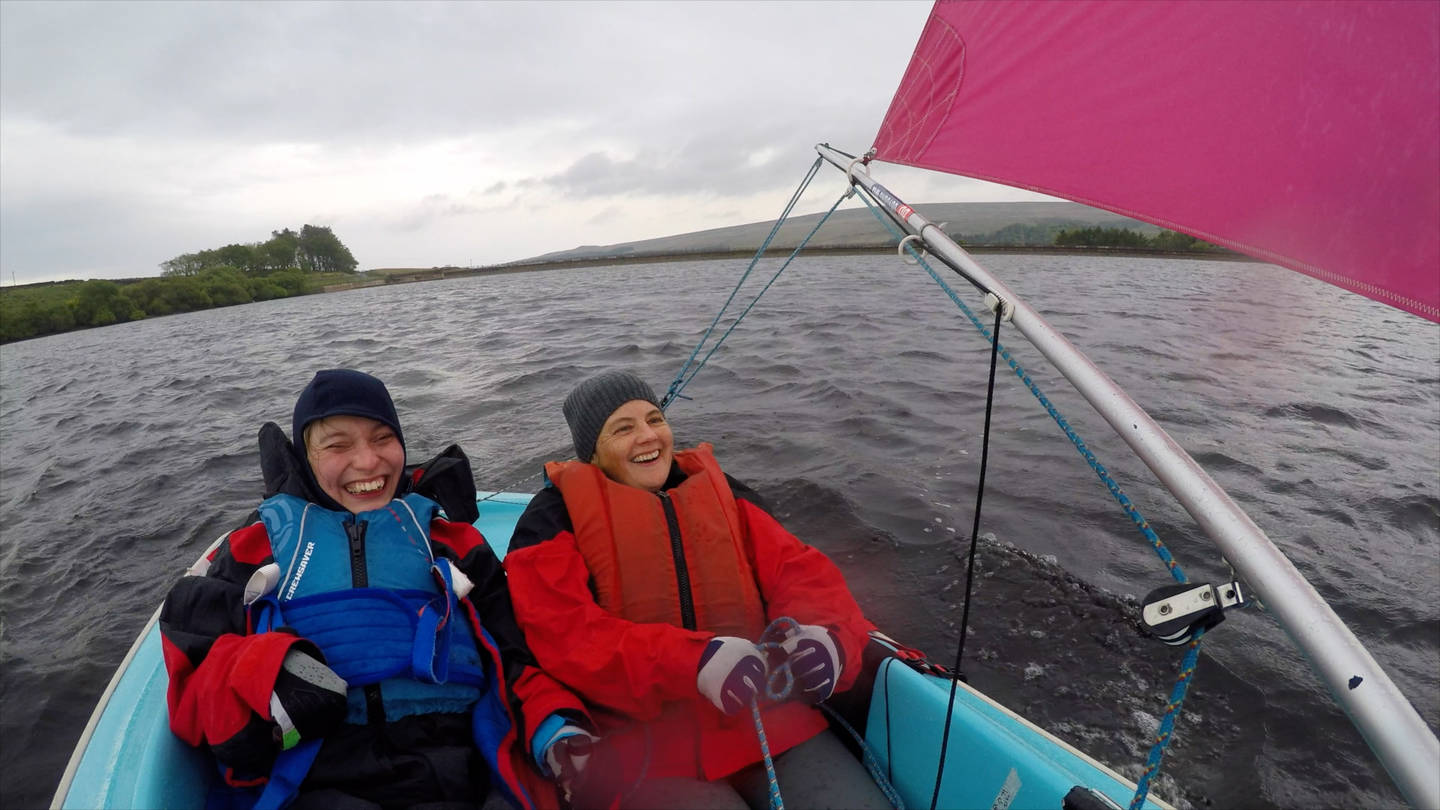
(971,222)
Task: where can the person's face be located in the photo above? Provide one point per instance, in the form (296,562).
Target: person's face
(635,447)
(357,461)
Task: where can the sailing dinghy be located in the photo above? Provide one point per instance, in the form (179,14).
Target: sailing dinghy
(127,757)
(1306,134)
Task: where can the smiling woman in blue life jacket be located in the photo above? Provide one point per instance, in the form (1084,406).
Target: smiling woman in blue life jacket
(642,576)
(352,647)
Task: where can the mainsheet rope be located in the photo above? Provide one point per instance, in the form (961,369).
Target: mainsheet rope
(778,686)
(1192,653)
(970,563)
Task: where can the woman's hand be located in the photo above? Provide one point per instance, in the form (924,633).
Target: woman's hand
(814,658)
(308,700)
(568,756)
(732,673)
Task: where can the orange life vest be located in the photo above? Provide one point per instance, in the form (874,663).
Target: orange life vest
(643,571)
(695,573)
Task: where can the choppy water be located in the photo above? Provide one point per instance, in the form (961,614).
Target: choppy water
(853,398)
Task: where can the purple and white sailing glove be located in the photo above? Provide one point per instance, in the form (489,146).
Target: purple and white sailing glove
(732,673)
(814,658)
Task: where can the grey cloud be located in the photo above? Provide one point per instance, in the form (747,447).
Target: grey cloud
(715,162)
(596,173)
(605,216)
(379,72)
(105,237)
(273,70)
(430,210)
(663,99)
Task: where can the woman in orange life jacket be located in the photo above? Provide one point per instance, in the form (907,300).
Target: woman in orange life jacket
(642,577)
(295,655)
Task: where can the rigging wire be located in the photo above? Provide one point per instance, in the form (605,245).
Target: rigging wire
(681,380)
(784,215)
(511,486)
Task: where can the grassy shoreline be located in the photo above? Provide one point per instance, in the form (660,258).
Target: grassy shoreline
(397,275)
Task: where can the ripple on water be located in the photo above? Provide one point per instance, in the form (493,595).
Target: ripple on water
(855,409)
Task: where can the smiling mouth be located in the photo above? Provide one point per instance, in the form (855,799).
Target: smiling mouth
(646,458)
(366,487)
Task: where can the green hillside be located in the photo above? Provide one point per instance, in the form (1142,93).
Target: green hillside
(978,223)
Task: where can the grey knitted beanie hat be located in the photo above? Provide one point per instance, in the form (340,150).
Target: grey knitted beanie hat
(592,401)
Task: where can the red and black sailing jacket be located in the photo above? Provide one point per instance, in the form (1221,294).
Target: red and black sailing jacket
(619,589)
(222,674)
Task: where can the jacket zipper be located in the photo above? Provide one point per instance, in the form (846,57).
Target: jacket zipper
(355,530)
(682,571)
(360,578)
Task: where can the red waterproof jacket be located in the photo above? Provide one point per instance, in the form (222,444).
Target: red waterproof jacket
(594,580)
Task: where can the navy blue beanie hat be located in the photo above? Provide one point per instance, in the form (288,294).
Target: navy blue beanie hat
(343,392)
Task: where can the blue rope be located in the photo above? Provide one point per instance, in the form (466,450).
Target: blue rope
(777,689)
(776,802)
(1124,500)
(1167,723)
(867,755)
(768,644)
(681,380)
(1188,665)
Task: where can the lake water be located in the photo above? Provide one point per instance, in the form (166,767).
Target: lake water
(852,398)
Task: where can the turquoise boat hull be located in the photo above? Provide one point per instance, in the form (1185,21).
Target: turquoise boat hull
(127,757)
(994,757)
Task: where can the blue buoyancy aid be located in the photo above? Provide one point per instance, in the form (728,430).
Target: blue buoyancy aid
(315,595)
(403,629)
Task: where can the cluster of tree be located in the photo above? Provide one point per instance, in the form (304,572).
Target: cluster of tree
(43,309)
(1061,235)
(315,249)
(1169,241)
(284,265)
(1042,235)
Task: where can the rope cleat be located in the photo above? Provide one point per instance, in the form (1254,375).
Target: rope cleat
(909,656)
(1175,613)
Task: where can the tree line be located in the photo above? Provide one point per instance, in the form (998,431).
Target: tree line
(315,249)
(1060,235)
(287,264)
(1168,241)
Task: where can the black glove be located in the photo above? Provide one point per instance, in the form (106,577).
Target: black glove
(610,771)
(567,756)
(309,699)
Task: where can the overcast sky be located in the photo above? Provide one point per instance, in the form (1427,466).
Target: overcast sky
(427,133)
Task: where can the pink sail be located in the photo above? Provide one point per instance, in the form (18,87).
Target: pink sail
(1303,133)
